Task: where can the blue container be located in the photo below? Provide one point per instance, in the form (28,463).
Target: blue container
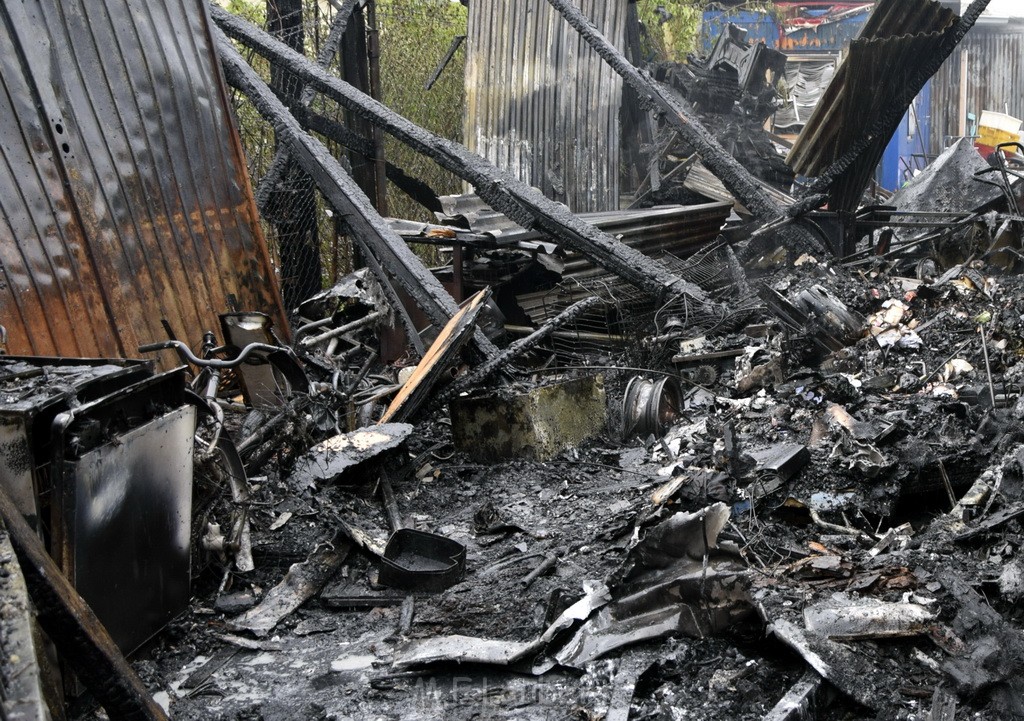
(906,152)
(759,26)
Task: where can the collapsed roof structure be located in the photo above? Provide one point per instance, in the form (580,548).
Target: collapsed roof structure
(741,445)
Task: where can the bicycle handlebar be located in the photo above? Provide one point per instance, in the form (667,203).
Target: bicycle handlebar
(186,353)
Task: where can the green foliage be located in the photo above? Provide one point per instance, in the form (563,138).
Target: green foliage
(415,36)
(252,10)
(673,26)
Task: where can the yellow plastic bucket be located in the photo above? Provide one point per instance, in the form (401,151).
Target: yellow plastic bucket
(995,129)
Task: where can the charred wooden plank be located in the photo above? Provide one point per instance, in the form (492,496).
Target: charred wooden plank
(301,583)
(79,636)
(502,191)
(20,675)
(438,359)
(368,229)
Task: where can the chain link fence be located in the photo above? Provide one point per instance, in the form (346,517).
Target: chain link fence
(417,38)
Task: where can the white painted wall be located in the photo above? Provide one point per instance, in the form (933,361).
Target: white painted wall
(1006,8)
(1000,9)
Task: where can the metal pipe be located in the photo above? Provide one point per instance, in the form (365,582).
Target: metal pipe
(373,53)
(342,330)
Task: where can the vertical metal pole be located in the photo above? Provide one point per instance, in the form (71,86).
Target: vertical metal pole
(373,48)
(458,275)
(964,61)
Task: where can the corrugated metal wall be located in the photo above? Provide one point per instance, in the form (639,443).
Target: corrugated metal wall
(541,103)
(123,189)
(995,81)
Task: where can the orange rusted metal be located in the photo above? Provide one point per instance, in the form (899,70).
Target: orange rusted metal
(124,195)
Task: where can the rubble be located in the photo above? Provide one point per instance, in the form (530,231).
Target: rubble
(653,463)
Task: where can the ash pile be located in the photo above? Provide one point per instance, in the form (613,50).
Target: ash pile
(754,454)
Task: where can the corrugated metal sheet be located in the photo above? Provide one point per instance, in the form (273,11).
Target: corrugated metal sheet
(807,81)
(123,189)
(995,81)
(541,103)
(901,34)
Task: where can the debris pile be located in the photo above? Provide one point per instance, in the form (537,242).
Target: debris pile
(655,463)
(733,91)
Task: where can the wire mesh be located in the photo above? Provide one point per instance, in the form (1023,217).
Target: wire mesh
(415,39)
(303,231)
(632,329)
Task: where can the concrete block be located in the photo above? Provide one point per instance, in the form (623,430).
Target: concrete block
(537,424)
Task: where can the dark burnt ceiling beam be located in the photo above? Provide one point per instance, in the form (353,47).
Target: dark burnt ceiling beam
(737,179)
(518,200)
(368,229)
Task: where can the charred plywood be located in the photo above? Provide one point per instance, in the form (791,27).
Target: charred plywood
(123,189)
(541,103)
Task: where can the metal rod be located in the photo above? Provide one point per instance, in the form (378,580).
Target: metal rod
(373,54)
(543,567)
(387,495)
(342,330)
(988,367)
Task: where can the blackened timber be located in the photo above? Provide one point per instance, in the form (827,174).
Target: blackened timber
(744,186)
(80,638)
(275,173)
(523,204)
(368,229)
(489,367)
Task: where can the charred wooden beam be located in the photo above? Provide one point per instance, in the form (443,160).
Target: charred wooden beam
(747,189)
(368,229)
(488,368)
(499,189)
(79,636)
(737,179)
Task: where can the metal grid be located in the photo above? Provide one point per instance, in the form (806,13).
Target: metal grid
(628,325)
(307,243)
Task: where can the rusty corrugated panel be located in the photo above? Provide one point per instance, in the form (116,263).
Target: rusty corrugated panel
(123,188)
(995,80)
(541,103)
(900,36)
